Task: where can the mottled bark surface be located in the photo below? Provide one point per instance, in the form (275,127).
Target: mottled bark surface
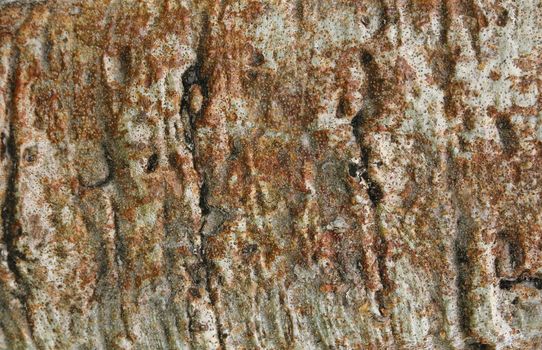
(306,174)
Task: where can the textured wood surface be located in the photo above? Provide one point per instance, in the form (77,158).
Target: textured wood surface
(254,174)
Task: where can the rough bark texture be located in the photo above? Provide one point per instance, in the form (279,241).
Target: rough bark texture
(250,174)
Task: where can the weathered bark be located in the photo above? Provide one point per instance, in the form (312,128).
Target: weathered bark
(306,174)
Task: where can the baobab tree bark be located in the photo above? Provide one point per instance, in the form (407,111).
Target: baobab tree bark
(304,174)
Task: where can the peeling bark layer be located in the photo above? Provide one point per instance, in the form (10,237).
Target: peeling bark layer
(271,174)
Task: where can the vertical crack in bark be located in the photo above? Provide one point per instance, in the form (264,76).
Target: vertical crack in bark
(11,229)
(462,263)
(207,263)
(192,77)
(9,207)
(363,119)
(120,260)
(460,259)
(361,124)
(169,253)
(10,225)
(507,135)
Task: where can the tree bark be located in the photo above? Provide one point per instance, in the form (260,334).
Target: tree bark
(310,174)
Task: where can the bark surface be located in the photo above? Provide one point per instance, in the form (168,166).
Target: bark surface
(305,174)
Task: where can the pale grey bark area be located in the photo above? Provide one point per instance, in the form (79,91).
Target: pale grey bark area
(185,174)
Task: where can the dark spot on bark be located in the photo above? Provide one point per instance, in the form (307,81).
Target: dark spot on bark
(152,163)
(125,60)
(235,146)
(190,77)
(375,192)
(353,169)
(506,284)
(482,346)
(537,283)
(374,189)
(30,154)
(507,135)
(357,124)
(502,17)
(198,327)
(142,117)
(366,57)
(3,145)
(203,195)
(510,254)
(341,108)
(250,249)
(257,59)
(196,272)
(195,292)
(173,160)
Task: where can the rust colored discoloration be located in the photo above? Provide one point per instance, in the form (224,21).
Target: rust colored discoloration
(274,175)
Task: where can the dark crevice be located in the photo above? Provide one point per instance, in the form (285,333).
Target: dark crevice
(235,149)
(462,263)
(502,16)
(507,284)
(481,346)
(192,76)
(358,123)
(11,228)
(374,190)
(190,323)
(362,123)
(366,116)
(353,169)
(342,108)
(249,249)
(507,135)
(125,64)
(444,69)
(204,193)
(257,59)
(195,75)
(510,255)
(366,57)
(3,145)
(12,322)
(30,154)
(46,53)
(152,163)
